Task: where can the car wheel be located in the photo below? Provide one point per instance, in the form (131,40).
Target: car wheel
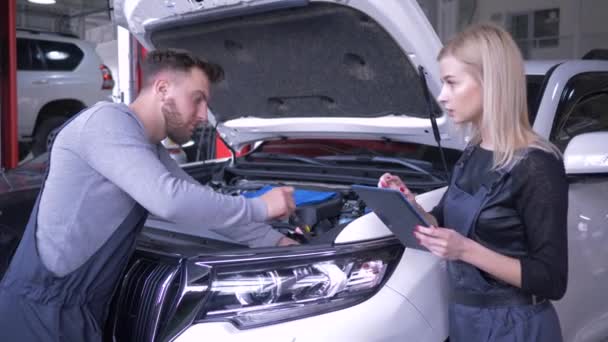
(43,131)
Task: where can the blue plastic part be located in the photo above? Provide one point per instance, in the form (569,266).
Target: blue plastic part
(301,197)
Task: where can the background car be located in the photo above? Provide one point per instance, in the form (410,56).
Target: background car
(57,76)
(313,87)
(572,111)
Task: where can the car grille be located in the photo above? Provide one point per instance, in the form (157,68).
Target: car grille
(145,295)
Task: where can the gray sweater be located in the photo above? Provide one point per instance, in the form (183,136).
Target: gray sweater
(101,164)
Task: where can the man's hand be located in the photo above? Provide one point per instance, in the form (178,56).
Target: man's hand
(285,241)
(279,202)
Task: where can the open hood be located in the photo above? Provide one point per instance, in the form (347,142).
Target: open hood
(297,68)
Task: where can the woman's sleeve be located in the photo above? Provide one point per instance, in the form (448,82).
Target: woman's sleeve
(542,203)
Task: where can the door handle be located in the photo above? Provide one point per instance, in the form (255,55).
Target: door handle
(41,82)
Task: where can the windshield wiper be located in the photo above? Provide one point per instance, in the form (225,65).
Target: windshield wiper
(408,163)
(420,167)
(286,157)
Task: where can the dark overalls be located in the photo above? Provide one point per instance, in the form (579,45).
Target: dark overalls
(36,305)
(481,310)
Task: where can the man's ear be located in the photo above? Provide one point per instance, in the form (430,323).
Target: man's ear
(160,87)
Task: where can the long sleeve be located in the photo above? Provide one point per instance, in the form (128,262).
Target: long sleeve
(254,234)
(542,203)
(115,146)
(172,165)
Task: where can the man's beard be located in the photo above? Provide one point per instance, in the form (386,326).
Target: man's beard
(177,129)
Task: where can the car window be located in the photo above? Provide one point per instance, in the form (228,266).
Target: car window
(534,84)
(584,108)
(23,54)
(60,56)
(28,56)
(589,115)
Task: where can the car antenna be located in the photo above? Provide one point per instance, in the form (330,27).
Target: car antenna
(429,107)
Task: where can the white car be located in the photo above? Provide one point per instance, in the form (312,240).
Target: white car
(57,76)
(329,93)
(569,101)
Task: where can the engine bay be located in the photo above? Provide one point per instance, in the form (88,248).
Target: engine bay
(322,210)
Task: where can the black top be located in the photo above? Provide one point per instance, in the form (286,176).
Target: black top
(526,217)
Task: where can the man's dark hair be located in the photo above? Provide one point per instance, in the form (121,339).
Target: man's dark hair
(178,60)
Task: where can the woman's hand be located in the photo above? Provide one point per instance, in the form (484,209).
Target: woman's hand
(443,242)
(394,182)
(449,244)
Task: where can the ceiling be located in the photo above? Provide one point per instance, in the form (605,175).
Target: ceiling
(94,12)
(69,8)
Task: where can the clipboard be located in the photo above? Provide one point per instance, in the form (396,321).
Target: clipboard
(395,211)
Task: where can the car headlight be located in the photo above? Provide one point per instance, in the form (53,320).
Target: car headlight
(259,292)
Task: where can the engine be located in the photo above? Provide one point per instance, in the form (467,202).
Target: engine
(321,211)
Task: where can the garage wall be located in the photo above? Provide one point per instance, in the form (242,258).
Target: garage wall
(37,22)
(594,25)
(582,24)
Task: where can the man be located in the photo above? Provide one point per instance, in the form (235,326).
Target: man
(107,170)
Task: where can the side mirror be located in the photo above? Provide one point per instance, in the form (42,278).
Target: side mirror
(587,153)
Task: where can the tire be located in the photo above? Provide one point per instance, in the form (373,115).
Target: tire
(39,145)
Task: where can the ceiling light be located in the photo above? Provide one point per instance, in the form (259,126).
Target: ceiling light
(57,55)
(42,2)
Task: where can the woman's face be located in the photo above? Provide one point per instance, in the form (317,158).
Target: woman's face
(461,93)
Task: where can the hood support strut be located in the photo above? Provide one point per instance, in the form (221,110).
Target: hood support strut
(427,97)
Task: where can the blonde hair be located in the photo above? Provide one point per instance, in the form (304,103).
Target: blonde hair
(495,60)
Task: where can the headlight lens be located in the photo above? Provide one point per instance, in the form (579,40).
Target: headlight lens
(266,294)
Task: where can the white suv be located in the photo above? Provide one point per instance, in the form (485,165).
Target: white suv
(330,93)
(57,76)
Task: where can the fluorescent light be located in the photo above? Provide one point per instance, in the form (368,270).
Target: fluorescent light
(42,2)
(57,55)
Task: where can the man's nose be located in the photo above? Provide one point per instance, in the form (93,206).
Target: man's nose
(202,113)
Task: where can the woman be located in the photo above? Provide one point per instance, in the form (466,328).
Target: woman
(505,210)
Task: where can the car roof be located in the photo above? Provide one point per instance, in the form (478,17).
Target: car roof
(55,36)
(541,66)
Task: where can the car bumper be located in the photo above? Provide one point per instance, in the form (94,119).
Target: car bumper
(387,316)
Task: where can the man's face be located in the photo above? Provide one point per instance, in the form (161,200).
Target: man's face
(185,104)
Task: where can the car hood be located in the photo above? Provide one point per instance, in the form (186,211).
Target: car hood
(305,69)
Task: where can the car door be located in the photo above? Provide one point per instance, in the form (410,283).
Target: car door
(583,108)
